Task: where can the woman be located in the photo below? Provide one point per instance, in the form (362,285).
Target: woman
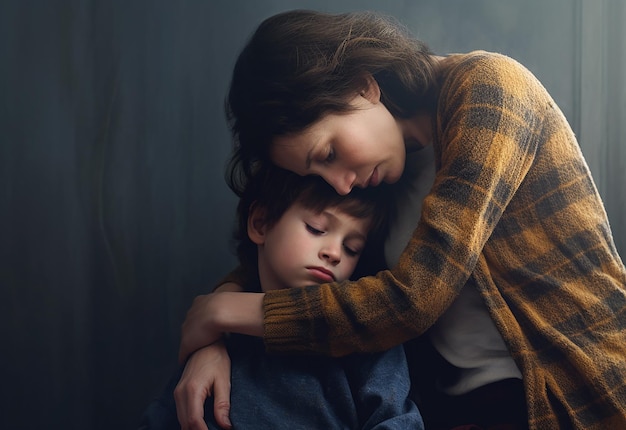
(511,270)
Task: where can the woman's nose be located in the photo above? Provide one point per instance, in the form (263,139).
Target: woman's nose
(342,182)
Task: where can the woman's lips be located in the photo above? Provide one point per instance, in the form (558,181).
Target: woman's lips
(322,274)
(374,180)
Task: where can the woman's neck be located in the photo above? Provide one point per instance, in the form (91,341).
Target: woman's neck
(417,131)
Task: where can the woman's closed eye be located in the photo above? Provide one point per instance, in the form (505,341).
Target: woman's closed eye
(330,156)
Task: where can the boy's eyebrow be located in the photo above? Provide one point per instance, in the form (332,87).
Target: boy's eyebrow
(355,235)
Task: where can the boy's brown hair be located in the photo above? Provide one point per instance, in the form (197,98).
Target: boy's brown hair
(273,190)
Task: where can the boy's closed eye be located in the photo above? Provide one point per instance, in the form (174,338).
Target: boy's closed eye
(352,251)
(313,230)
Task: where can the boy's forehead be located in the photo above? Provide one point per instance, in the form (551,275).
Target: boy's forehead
(340,216)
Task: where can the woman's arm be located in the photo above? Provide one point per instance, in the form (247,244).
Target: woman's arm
(488,128)
(212,315)
(206,373)
(489,122)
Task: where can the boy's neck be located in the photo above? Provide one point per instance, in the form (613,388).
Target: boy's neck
(265,280)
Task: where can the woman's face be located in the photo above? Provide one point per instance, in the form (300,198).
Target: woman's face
(361,148)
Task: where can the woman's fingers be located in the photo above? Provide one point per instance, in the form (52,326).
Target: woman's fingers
(206,373)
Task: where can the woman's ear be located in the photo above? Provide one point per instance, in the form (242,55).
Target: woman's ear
(256,224)
(371,90)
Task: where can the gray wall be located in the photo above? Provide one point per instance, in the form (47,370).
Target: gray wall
(113,209)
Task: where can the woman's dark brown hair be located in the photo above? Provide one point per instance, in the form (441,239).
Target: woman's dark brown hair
(301,65)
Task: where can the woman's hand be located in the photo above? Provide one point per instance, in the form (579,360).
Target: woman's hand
(206,373)
(199,328)
(211,315)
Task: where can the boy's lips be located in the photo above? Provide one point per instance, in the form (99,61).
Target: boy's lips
(322,274)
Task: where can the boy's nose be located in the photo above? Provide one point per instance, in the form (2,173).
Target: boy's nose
(331,253)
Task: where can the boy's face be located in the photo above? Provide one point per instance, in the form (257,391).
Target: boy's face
(305,248)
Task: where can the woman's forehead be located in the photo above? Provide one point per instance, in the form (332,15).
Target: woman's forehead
(291,153)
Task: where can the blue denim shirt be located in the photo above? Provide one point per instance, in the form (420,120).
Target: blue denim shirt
(360,391)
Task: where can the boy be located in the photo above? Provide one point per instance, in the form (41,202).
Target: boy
(292,232)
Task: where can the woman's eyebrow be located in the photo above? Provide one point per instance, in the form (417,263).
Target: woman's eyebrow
(315,144)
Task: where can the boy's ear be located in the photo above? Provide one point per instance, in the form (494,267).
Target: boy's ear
(371,90)
(256,224)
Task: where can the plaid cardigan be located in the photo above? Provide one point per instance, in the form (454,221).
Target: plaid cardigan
(513,211)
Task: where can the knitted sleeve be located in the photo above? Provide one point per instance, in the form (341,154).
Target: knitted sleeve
(485,140)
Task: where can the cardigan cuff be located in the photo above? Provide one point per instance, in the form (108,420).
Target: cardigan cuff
(289,322)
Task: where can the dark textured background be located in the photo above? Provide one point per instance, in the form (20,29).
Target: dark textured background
(113,209)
